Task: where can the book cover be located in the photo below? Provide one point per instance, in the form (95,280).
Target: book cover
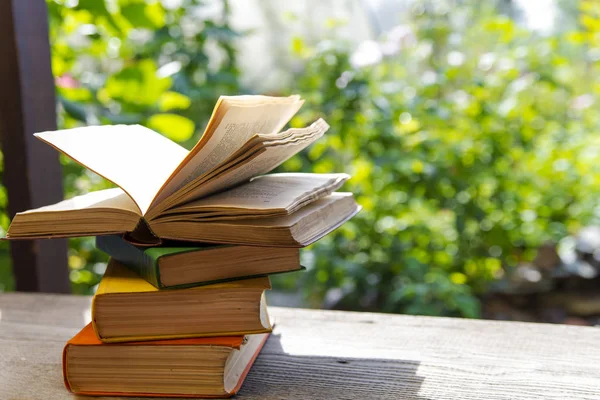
(120,280)
(145,260)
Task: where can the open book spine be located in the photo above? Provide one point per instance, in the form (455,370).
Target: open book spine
(131,256)
(143,235)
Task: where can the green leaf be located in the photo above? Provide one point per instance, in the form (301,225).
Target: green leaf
(141,15)
(80,94)
(156,13)
(298,46)
(98,9)
(174,101)
(219,32)
(173,126)
(122,118)
(137,85)
(76,111)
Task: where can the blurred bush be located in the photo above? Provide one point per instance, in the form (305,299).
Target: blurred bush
(471,140)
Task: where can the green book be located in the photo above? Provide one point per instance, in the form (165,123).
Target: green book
(176,266)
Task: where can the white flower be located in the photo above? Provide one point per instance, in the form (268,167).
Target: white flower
(398,38)
(486,61)
(429,77)
(169,69)
(582,102)
(456,58)
(367,53)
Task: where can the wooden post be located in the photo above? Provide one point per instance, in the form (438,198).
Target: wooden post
(32,173)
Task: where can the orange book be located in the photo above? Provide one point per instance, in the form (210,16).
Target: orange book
(206,367)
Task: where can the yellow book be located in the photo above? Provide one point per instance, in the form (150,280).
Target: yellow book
(128,308)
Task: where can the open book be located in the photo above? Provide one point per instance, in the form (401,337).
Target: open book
(167,192)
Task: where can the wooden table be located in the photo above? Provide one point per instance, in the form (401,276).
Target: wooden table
(330,355)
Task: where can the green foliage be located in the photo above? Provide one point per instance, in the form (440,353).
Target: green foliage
(471,140)
(6,277)
(470,144)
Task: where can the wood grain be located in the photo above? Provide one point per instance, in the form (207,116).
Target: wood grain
(338,355)
(32,172)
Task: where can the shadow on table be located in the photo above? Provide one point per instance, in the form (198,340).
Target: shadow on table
(280,375)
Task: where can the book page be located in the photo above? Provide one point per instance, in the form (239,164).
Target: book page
(96,213)
(267,192)
(257,144)
(244,117)
(262,163)
(135,158)
(108,198)
(319,209)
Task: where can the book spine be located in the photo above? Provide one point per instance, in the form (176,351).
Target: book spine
(131,256)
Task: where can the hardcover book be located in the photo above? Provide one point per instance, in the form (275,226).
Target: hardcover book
(214,193)
(200,367)
(187,266)
(128,308)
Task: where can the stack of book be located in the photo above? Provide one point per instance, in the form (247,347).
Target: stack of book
(193,237)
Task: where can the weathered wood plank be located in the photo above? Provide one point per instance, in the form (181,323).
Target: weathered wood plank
(328,355)
(32,172)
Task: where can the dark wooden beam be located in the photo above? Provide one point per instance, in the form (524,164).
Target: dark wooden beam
(32,172)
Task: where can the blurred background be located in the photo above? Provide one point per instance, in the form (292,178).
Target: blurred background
(471,130)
